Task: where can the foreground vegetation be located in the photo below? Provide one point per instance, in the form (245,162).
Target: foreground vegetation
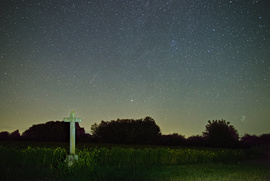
(127,163)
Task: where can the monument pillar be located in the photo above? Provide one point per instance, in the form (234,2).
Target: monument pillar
(72,157)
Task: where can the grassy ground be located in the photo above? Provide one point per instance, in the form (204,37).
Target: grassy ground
(13,167)
(209,171)
(216,171)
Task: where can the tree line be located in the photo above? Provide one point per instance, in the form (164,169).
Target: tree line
(218,133)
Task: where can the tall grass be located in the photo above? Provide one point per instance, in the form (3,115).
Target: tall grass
(117,156)
(101,163)
(30,162)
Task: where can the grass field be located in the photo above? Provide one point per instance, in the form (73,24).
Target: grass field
(114,162)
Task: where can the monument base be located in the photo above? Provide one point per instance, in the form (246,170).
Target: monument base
(71,159)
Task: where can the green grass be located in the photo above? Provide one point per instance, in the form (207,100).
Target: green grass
(126,163)
(209,171)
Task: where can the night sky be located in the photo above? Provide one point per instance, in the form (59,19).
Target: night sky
(182,62)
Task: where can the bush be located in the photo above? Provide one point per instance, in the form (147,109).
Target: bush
(221,134)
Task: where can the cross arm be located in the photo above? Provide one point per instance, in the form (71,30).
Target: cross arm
(78,120)
(70,120)
(66,120)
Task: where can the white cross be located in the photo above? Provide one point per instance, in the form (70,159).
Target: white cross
(72,119)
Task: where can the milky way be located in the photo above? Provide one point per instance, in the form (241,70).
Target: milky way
(181,62)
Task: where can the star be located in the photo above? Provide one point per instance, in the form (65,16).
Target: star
(186,61)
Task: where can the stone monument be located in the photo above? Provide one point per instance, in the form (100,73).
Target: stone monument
(72,157)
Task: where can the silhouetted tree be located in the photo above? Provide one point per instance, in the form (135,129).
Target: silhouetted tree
(221,134)
(85,138)
(4,135)
(15,135)
(129,131)
(174,139)
(196,141)
(265,139)
(249,140)
(80,133)
(253,140)
(52,131)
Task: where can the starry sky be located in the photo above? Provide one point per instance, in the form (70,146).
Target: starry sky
(182,62)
